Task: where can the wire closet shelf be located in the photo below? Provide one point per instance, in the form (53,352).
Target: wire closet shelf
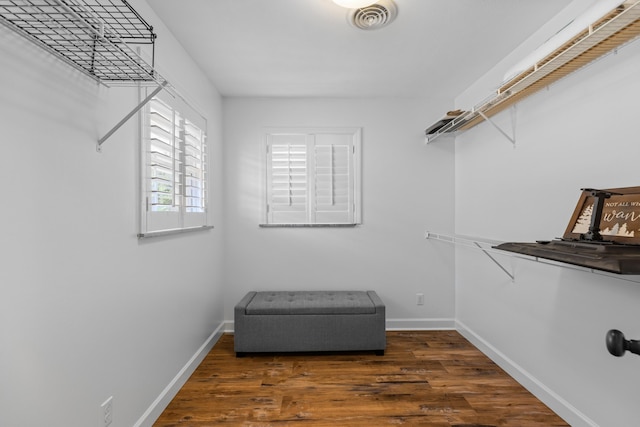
(91,35)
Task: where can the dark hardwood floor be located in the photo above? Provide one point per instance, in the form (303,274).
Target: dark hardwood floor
(425,378)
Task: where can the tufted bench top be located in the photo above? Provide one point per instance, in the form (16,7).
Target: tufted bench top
(311,302)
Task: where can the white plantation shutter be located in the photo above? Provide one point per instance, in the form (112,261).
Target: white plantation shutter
(312,176)
(164,157)
(287,179)
(334,190)
(195,175)
(174,172)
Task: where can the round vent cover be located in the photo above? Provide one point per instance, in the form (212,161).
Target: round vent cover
(376,16)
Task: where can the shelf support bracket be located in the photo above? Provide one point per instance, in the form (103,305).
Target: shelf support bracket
(472,244)
(128,116)
(511,276)
(511,139)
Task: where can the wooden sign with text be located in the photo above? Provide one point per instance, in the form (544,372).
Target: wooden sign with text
(620,216)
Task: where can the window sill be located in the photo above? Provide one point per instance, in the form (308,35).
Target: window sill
(173,231)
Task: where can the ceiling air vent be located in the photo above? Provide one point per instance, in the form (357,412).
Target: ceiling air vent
(376,16)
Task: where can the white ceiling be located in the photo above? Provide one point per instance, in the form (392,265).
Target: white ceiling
(307,48)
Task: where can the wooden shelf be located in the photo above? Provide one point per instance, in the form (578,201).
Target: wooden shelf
(489,247)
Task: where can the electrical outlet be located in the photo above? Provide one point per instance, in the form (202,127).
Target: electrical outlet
(106,413)
(420,299)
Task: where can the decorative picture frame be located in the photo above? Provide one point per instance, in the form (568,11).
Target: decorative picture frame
(620,220)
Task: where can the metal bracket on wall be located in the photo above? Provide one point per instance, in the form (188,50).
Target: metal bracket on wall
(128,116)
(511,139)
(472,243)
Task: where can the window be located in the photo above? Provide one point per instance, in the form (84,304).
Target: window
(312,177)
(174,167)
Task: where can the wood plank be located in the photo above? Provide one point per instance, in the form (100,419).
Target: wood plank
(425,378)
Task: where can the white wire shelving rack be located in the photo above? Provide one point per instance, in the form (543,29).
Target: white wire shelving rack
(93,36)
(619,27)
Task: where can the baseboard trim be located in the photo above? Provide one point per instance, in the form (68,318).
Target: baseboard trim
(420,324)
(394,325)
(162,401)
(560,406)
(228,326)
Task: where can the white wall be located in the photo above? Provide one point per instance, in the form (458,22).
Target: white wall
(407,189)
(548,327)
(85,312)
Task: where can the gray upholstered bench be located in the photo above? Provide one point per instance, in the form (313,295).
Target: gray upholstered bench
(306,321)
